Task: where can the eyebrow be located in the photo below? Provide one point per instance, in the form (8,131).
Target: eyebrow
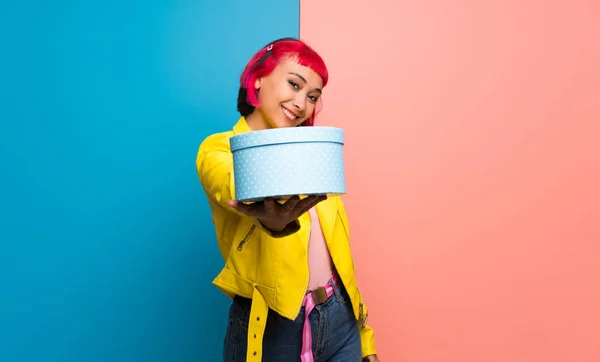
(304,80)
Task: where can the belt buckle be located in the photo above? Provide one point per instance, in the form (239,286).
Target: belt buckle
(319,295)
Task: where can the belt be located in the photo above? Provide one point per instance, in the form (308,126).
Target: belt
(256,326)
(315,297)
(258,319)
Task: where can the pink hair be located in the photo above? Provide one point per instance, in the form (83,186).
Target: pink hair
(266,59)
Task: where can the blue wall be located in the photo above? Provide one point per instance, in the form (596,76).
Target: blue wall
(107,251)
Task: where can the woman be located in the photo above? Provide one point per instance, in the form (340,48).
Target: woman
(288,265)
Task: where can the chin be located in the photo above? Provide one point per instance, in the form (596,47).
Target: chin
(285,124)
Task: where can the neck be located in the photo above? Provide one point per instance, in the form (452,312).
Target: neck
(256,121)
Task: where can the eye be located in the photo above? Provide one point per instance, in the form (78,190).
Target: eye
(313,99)
(294,84)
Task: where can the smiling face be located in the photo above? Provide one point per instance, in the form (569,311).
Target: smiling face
(287,97)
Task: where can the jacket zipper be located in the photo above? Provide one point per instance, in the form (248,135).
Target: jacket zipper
(361,310)
(246,238)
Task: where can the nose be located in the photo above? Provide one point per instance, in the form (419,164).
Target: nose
(300,102)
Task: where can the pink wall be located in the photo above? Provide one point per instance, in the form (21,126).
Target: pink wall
(473,160)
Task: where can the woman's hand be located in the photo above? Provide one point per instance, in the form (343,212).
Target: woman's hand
(276,216)
(371,358)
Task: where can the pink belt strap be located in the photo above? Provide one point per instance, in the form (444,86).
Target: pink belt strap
(317,296)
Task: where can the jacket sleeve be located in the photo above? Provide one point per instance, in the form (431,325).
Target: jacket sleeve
(215,172)
(367,335)
(214,165)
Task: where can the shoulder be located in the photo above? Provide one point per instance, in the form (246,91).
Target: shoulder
(217,143)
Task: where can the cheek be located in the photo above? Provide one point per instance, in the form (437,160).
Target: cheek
(272,97)
(285,94)
(266,93)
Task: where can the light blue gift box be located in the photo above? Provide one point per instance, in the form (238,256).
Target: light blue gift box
(283,162)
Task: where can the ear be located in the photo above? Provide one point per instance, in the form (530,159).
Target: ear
(257,83)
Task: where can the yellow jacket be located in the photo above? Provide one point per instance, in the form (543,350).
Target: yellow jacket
(281,281)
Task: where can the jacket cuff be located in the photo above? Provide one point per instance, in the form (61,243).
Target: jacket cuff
(367,340)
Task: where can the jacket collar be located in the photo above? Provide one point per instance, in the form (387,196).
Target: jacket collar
(241,126)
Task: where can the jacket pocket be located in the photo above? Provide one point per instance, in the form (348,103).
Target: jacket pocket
(246,238)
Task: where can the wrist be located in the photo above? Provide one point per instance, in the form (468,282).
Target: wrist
(271,227)
(278,231)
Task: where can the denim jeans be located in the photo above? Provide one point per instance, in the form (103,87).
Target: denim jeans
(335,333)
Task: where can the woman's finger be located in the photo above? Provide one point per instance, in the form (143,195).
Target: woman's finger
(269,206)
(250,210)
(290,204)
(301,205)
(314,202)
(308,202)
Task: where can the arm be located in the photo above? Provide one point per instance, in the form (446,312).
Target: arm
(214,164)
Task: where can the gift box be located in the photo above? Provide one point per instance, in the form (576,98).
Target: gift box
(282,162)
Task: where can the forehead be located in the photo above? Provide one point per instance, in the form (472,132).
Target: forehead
(291,67)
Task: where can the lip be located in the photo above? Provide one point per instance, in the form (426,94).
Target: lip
(283,110)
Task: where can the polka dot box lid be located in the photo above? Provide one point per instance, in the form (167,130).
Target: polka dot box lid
(288,161)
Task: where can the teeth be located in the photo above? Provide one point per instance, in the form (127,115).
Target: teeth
(288,113)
